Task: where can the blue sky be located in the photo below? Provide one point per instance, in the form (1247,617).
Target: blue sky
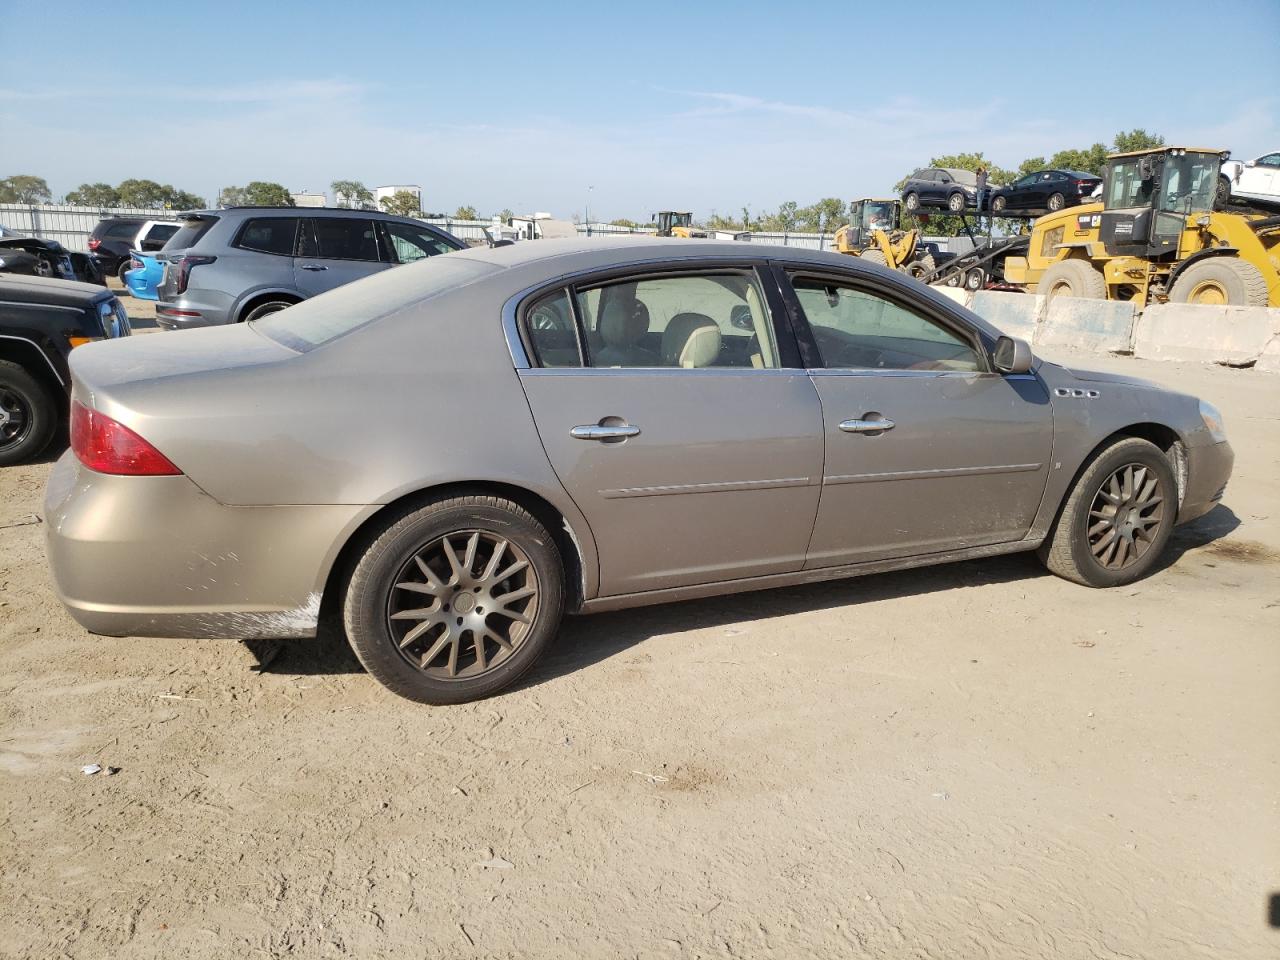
(653,105)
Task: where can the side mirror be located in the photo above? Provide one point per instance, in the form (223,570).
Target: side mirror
(1013,355)
(1251,163)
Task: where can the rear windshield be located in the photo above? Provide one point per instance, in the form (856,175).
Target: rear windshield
(314,322)
(190,231)
(128,229)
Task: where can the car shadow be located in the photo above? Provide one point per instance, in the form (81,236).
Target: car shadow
(587,640)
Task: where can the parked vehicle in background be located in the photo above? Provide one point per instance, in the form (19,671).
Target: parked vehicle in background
(1045,190)
(228,266)
(1257,180)
(41,321)
(30,256)
(144,275)
(111,241)
(154,234)
(454,454)
(954,189)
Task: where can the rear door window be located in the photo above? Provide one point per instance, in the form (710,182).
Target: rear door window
(269,235)
(341,238)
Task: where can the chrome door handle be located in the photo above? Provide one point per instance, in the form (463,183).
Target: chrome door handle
(866,426)
(313,266)
(594,431)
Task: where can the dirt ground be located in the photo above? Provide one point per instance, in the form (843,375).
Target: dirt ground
(974,761)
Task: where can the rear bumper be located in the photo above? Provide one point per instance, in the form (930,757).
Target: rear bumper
(158,557)
(1208,470)
(204,308)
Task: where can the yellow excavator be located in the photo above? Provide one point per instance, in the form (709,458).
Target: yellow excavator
(1155,236)
(677,223)
(874,232)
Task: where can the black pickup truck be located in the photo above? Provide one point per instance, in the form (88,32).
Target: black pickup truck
(41,322)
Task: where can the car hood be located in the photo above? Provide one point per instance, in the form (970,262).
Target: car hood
(46,290)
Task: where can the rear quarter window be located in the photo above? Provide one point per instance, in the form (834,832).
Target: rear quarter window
(276,235)
(189,233)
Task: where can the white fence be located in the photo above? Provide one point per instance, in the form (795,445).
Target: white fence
(72,225)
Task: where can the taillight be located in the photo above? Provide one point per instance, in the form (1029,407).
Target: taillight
(184,269)
(107,446)
(94,243)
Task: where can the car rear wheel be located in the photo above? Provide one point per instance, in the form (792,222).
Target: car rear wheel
(1117,519)
(1072,278)
(455,600)
(955,202)
(28,415)
(1056,201)
(912,202)
(998,204)
(263,309)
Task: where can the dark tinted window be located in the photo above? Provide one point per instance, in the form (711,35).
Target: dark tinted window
(409,243)
(189,232)
(341,238)
(162,231)
(124,231)
(269,235)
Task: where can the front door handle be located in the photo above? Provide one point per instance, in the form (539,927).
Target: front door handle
(595,431)
(866,426)
(313,266)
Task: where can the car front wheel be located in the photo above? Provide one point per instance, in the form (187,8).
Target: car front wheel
(1117,519)
(955,202)
(455,600)
(912,202)
(28,415)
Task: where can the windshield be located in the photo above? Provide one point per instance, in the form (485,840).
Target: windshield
(877,216)
(1125,186)
(681,219)
(1189,182)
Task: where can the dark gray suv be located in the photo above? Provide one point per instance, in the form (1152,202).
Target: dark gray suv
(228,266)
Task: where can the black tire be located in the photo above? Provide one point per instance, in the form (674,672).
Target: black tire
(28,415)
(371,591)
(923,267)
(1072,278)
(911,201)
(975,278)
(122,269)
(956,202)
(1221,281)
(1222,195)
(875,255)
(998,204)
(1056,202)
(263,309)
(1068,552)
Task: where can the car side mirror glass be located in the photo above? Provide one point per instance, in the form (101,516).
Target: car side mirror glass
(1012,355)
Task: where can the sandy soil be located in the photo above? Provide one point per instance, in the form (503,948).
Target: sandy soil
(972,761)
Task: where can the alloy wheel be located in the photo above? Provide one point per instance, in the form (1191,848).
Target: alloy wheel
(15,418)
(1125,516)
(463,604)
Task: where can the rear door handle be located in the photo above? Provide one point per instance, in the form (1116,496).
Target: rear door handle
(594,431)
(866,426)
(313,266)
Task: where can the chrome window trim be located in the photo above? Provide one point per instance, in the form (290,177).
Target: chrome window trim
(665,371)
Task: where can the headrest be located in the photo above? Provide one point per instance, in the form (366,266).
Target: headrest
(621,325)
(690,340)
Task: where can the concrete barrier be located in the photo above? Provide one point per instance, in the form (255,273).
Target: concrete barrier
(1017,314)
(1104,326)
(1269,362)
(959,294)
(1187,331)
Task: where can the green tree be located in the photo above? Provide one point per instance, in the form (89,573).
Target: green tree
(623,222)
(23,188)
(265,193)
(505,215)
(466,213)
(142,193)
(1136,139)
(351,193)
(94,195)
(825,215)
(402,203)
(1030,165)
(232,197)
(1089,160)
(181,200)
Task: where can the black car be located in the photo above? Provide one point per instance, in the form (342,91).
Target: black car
(41,322)
(1044,190)
(114,237)
(33,257)
(955,190)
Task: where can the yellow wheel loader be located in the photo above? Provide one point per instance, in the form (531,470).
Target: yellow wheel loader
(1155,237)
(677,223)
(874,232)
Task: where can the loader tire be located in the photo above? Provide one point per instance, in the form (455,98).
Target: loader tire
(922,267)
(1221,281)
(872,255)
(1072,278)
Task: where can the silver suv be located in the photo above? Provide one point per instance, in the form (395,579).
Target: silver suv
(228,266)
